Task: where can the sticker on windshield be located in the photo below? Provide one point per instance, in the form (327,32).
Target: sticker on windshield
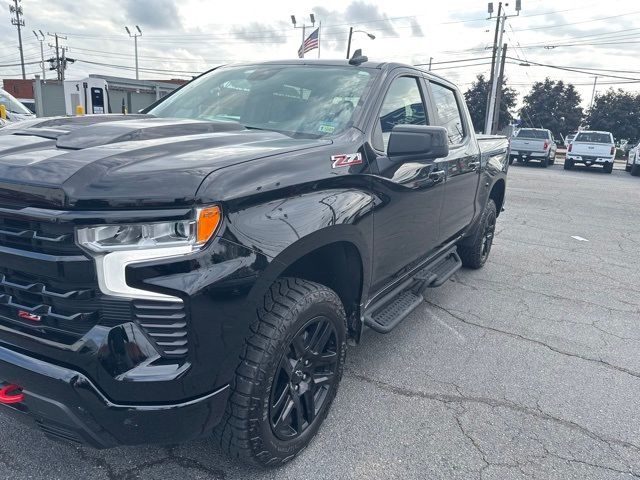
(346,160)
(326,127)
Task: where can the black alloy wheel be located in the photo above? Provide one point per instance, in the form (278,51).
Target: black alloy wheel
(306,374)
(487,235)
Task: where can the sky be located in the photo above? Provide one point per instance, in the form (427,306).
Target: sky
(182,39)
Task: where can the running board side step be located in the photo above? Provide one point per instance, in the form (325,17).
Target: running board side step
(387,313)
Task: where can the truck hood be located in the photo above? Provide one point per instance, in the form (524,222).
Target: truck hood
(118,161)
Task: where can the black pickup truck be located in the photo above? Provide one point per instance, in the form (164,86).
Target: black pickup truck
(199,268)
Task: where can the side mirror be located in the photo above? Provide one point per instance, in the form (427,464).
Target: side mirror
(419,141)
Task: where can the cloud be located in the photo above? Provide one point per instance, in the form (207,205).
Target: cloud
(273,33)
(153,13)
(416,29)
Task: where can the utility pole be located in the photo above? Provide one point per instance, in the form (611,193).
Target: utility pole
(496,112)
(593,93)
(18,21)
(135,36)
(40,37)
(493,59)
(60,60)
(430,61)
(312,17)
(502,17)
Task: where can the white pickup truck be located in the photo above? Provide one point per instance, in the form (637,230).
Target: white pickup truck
(533,144)
(633,161)
(590,148)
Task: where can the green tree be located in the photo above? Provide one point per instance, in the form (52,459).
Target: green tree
(477,97)
(617,112)
(553,105)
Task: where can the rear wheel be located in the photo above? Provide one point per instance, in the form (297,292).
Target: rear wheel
(476,252)
(552,159)
(568,164)
(635,170)
(545,162)
(510,160)
(608,167)
(288,375)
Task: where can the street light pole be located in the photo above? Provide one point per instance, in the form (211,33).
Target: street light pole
(135,36)
(351,32)
(312,17)
(40,39)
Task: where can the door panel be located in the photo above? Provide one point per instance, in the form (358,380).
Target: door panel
(410,194)
(462,164)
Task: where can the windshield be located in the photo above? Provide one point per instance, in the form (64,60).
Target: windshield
(528,133)
(304,100)
(593,137)
(13,105)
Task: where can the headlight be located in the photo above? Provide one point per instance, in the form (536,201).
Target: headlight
(113,238)
(116,246)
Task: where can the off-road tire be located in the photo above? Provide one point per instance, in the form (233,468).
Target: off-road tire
(635,170)
(568,164)
(473,253)
(245,432)
(608,167)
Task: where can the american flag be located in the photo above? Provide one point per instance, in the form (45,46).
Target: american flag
(309,44)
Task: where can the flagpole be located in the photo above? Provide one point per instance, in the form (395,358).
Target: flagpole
(319,37)
(304,37)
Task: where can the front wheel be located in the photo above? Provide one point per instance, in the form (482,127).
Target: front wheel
(635,170)
(510,160)
(288,375)
(475,253)
(568,164)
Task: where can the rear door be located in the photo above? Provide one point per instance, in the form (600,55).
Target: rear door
(462,164)
(409,193)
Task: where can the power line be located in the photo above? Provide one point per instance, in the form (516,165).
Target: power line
(578,23)
(576,69)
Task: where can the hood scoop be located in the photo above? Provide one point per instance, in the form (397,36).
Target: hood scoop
(138,130)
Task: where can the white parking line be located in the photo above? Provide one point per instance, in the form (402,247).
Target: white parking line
(580,239)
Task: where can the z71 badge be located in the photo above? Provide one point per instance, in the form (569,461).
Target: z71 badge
(346,160)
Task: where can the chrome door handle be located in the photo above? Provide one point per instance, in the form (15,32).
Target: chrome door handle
(474,165)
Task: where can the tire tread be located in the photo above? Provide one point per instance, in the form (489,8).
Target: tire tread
(279,310)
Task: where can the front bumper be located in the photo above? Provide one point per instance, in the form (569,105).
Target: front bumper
(65,405)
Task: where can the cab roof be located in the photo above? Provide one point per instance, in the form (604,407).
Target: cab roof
(372,64)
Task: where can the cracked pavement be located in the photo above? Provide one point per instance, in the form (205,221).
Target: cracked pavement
(526,369)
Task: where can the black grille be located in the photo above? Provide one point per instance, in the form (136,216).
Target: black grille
(165,323)
(35,305)
(54,238)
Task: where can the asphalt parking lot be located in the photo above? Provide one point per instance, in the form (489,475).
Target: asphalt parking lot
(528,368)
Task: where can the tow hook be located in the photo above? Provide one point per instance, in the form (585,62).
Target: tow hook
(11,394)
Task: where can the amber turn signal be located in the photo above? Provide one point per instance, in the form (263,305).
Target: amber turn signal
(208,220)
